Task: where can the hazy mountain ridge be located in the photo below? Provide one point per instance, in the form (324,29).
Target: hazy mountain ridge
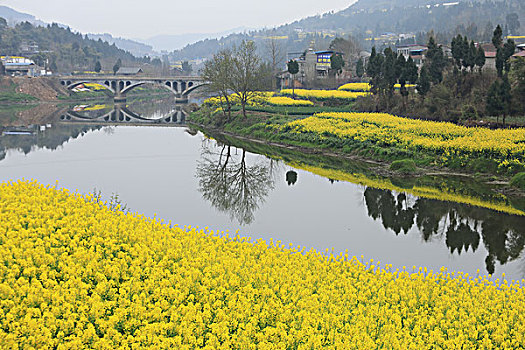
(171,42)
(375,17)
(13,17)
(136,48)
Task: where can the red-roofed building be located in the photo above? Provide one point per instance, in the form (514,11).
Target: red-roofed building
(490,56)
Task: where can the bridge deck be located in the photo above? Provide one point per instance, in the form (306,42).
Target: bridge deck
(125,77)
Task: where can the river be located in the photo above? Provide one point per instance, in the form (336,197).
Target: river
(164,169)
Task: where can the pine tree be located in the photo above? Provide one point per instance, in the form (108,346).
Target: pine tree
(359,68)
(423,84)
(480,58)
(98,67)
(497,40)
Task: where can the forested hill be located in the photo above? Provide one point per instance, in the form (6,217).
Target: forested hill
(369,18)
(62,49)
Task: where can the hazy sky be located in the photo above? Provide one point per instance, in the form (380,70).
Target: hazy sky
(143,19)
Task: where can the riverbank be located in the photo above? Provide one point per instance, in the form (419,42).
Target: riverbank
(386,140)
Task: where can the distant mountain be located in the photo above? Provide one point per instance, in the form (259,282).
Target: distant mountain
(178,41)
(136,48)
(13,17)
(371,18)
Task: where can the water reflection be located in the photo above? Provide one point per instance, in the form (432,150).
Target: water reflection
(122,113)
(34,137)
(231,185)
(462,226)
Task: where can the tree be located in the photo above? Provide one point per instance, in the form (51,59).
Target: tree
(2,68)
(349,47)
(499,98)
(436,61)
(186,68)
(411,71)
(374,70)
(457,51)
(359,68)
(98,67)
(497,40)
(117,66)
(517,82)
(472,55)
(217,72)
(244,76)
(508,50)
(336,63)
(293,69)
(480,58)
(423,84)
(275,54)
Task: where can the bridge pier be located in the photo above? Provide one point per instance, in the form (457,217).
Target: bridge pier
(119,98)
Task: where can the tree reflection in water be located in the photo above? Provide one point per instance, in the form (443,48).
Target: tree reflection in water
(231,185)
(462,225)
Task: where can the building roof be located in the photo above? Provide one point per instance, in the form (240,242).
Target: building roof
(129,70)
(519,54)
(409,46)
(490,54)
(15,64)
(326,52)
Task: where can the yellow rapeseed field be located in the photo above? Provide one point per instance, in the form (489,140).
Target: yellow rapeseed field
(75,274)
(355,87)
(324,94)
(507,146)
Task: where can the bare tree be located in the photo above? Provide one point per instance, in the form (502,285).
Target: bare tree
(245,80)
(275,52)
(217,71)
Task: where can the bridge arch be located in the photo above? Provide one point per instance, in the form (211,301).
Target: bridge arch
(128,88)
(71,85)
(193,87)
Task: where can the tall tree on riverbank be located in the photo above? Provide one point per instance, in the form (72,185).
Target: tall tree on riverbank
(217,72)
(245,80)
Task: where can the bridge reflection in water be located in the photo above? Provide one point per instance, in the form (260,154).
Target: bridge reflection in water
(121,114)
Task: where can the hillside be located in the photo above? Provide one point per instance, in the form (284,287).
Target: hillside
(60,49)
(14,17)
(371,18)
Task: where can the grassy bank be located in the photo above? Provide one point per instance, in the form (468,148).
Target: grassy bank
(385,138)
(75,273)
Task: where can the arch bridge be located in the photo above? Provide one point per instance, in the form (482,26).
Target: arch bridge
(119,86)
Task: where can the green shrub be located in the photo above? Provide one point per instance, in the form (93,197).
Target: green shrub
(518,181)
(404,166)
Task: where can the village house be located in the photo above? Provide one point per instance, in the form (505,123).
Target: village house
(19,66)
(312,65)
(417,52)
(129,71)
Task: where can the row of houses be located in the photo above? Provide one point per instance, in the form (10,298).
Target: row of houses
(418,53)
